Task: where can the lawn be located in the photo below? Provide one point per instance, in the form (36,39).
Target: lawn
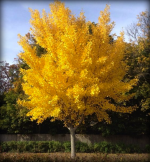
(80,157)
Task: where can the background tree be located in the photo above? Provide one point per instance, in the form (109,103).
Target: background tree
(79,73)
(138,60)
(12,119)
(8,74)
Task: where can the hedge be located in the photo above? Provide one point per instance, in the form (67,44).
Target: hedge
(55,146)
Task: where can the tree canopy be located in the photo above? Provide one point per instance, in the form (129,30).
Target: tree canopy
(78,73)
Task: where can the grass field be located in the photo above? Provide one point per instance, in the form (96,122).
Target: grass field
(80,157)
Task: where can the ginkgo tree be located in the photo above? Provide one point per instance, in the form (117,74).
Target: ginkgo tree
(79,73)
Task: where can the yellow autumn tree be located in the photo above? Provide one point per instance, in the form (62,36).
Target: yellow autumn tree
(80,71)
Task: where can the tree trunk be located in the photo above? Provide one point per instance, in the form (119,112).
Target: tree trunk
(72,137)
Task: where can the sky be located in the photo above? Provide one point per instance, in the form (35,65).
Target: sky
(15,17)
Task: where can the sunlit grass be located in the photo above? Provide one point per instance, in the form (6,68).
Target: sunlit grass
(80,157)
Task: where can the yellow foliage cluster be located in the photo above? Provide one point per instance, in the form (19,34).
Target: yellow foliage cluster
(79,70)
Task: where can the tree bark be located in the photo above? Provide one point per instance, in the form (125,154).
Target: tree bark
(72,137)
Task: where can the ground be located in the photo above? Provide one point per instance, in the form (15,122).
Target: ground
(94,157)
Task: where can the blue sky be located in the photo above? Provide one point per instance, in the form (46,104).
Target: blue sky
(15,18)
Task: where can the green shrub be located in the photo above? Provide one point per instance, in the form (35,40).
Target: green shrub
(133,149)
(112,148)
(34,147)
(118,148)
(107,147)
(147,149)
(67,146)
(4,147)
(12,146)
(55,146)
(90,148)
(103,147)
(22,146)
(97,147)
(82,147)
(30,146)
(51,146)
(43,146)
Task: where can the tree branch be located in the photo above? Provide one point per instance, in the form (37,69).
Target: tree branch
(79,122)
